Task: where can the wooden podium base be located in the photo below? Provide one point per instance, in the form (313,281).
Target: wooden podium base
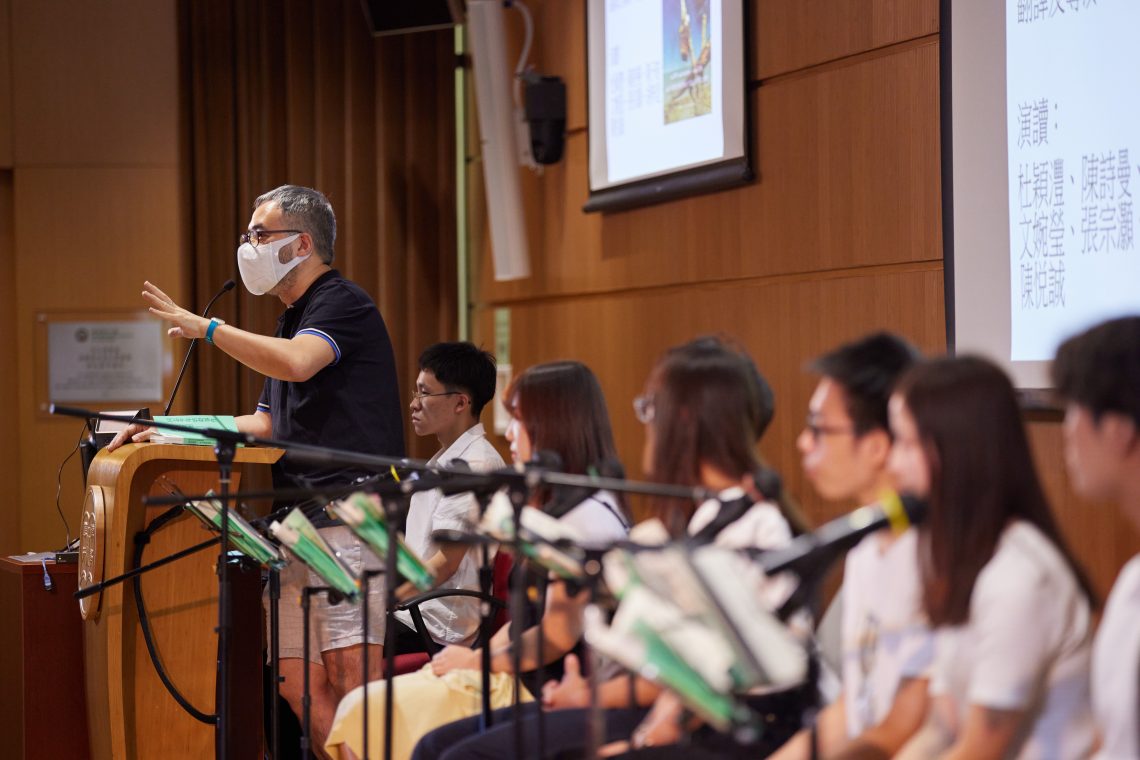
(130,712)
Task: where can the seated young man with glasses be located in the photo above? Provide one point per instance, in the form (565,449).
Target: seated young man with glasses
(887,646)
(455,382)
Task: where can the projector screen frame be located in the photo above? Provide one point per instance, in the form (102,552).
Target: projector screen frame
(1039,404)
(946,127)
(725,174)
(979,34)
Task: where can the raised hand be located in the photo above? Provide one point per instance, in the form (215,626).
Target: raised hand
(185,324)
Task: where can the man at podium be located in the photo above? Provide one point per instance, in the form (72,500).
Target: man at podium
(330,380)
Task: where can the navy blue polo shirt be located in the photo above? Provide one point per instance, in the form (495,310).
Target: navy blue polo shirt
(354,402)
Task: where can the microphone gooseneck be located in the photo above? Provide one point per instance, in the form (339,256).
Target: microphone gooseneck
(226,288)
(814,552)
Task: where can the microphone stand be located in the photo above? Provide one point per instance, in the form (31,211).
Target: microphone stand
(393,508)
(394,500)
(224,451)
(592,567)
(275,660)
(306,695)
(366,577)
(518,483)
(540,660)
(226,288)
(486,619)
(518,495)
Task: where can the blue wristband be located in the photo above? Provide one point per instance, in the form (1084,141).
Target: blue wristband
(214,322)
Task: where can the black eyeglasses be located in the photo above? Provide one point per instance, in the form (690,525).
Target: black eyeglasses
(819,431)
(258,237)
(418,395)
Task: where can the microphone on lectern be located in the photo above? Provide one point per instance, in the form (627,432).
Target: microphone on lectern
(226,288)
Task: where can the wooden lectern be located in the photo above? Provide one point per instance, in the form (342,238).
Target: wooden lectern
(131,714)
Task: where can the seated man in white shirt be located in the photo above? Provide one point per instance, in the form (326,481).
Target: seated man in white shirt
(887,646)
(1098,374)
(455,382)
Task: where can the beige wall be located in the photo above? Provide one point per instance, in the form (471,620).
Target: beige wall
(89,123)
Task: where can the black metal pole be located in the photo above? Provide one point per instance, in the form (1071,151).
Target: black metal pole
(486,585)
(540,648)
(518,603)
(392,509)
(97,587)
(306,696)
(306,699)
(364,677)
(274,661)
(595,722)
(224,451)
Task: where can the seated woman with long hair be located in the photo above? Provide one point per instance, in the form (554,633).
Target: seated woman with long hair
(718,387)
(557,407)
(1011,607)
(704,408)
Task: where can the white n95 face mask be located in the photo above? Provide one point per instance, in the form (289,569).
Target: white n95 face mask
(260,265)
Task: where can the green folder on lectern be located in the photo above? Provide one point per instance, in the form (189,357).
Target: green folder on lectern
(196,421)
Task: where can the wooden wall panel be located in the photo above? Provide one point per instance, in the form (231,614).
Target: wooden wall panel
(784,322)
(85,240)
(840,233)
(848,164)
(560,44)
(92,235)
(794,34)
(94,83)
(10,453)
(5,84)
(95,196)
(360,231)
(787,35)
(415,212)
(1101,537)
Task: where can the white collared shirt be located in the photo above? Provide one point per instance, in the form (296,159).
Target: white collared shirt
(1116,663)
(453,620)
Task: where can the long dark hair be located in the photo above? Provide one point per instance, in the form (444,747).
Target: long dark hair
(982,477)
(563,409)
(711,405)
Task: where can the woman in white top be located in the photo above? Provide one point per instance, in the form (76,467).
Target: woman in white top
(705,407)
(1011,607)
